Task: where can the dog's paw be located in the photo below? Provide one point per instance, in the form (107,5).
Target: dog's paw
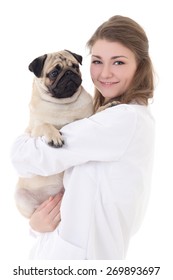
(56,142)
(51,134)
(54,139)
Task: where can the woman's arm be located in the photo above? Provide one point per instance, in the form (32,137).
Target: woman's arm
(102,137)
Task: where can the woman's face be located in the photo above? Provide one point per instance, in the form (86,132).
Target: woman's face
(112,68)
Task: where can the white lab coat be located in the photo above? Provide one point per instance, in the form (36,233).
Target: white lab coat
(108,160)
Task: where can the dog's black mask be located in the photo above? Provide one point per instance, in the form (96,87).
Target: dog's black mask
(65,84)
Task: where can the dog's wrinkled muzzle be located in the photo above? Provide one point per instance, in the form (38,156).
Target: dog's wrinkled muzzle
(66,84)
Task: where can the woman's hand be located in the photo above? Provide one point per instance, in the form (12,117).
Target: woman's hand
(47,216)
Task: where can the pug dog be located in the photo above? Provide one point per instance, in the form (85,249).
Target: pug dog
(58,98)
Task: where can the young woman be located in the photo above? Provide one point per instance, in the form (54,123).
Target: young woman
(107,158)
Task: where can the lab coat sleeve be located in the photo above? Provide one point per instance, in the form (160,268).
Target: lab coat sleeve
(103,137)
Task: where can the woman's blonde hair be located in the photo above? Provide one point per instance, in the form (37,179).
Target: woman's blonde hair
(129,33)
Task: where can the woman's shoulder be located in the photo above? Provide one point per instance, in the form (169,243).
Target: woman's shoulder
(117,110)
(116,115)
(130,109)
(114,108)
(123,114)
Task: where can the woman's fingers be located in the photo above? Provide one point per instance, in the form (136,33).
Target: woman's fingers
(47,216)
(53,204)
(50,203)
(41,206)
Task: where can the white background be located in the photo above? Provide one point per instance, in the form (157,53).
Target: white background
(32,28)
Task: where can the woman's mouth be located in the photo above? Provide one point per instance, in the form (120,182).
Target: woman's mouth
(108,84)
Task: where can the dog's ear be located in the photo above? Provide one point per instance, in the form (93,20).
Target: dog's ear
(77,56)
(36,65)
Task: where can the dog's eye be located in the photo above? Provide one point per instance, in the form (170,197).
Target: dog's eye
(75,66)
(54,73)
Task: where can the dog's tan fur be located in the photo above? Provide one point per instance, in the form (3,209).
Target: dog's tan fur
(47,115)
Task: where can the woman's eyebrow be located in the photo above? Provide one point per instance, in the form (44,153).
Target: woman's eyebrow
(97,56)
(118,56)
(113,57)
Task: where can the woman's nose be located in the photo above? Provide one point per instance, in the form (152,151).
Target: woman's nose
(106,72)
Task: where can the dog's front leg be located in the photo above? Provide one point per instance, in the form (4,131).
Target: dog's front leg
(51,133)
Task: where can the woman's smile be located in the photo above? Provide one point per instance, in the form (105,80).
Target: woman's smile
(107,84)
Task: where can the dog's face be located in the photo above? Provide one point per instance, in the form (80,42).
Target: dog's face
(58,73)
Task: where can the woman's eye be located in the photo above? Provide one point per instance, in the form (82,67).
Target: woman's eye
(96,62)
(118,63)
